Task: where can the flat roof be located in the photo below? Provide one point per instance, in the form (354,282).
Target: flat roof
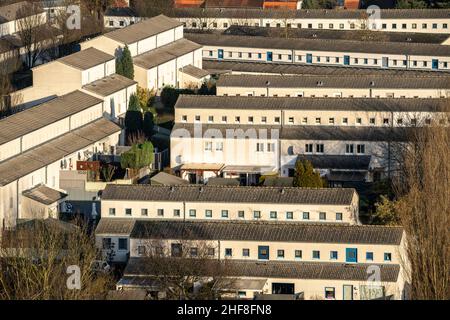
(34,118)
(139,269)
(109,85)
(143,30)
(54,150)
(299,132)
(215,66)
(334,81)
(86,59)
(358,35)
(247,13)
(327,45)
(267,231)
(308,103)
(225,194)
(165,53)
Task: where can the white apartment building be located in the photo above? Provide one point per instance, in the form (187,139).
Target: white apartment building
(356,86)
(348,53)
(39,142)
(275,254)
(12,17)
(248,137)
(120,17)
(394,20)
(158,49)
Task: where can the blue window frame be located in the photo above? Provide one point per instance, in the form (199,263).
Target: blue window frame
(351,255)
(369,256)
(346,60)
(308,58)
(259,56)
(333,255)
(316,254)
(263,252)
(435,64)
(387,256)
(269,56)
(228,252)
(220,54)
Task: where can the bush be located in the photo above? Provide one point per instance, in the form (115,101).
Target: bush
(305,176)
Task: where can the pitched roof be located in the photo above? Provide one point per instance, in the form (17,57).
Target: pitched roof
(86,59)
(309,13)
(215,66)
(165,53)
(109,85)
(337,162)
(298,132)
(194,71)
(163,178)
(43,194)
(267,231)
(139,268)
(358,35)
(218,181)
(54,150)
(115,226)
(18,10)
(330,81)
(234,3)
(420,49)
(332,196)
(143,30)
(278,181)
(307,103)
(42,115)
(120,12)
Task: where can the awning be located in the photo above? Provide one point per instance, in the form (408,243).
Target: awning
(201,167)
(249,169)
(240,284)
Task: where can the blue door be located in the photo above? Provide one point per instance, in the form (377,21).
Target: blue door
(220,54)
(435,64)
(346,60)
(269,56)
(351,255)
(308,58)
(263,252)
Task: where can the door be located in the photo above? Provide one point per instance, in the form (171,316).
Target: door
(351,255)
(269,56)
(308,58)
(348,292)
(283,288)
(220,54)
(435,64)
(385,62)
(346,60)
(263,252)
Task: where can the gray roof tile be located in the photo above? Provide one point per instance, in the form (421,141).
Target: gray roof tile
(86,59)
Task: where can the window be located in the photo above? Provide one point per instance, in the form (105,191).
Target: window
(264,119)
(394,26)
(225,25)
(434,25)
(111,23)
(211,252)
(160,212)
(219,146)
(331,121)
(338,216)
(224,213)
(291,120)
(210,118)
(318,120)
(348,148)
(319,148)
(331,26)
(308,148)
(386,121)
(192,213)
(228,252)
(260,147)
(387,256)
(246,252)
(184,118)
(424,25)
(322,216)
(193,251)
(176,212)
(273,214)
(144,212)
(399,121)
(289,215)
(305,215)
(366,61)
(224,119)
(208,213)
(384,26)
(128,212)
(403,25)
(259,56)
(345,120)
(141,250)
(360,148)
(298,254)
(112,211)
(280,254)
(249,55)
(176,249)
(320,25)
(369,256)
(316,254)
(257,214)
(237,119)
(333,255)
(271,147)
(358,121)
(414,26)
(214,24)
(123,244)
(330,293)
(240,54)
(208,146)
(210,53)
(197,118)
(241,214)
(305,120)
(341,26)
(277,120)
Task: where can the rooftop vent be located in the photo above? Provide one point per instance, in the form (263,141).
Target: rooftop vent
(282,191)
(372,83)
(172,188)
(319,83)
(200,189)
